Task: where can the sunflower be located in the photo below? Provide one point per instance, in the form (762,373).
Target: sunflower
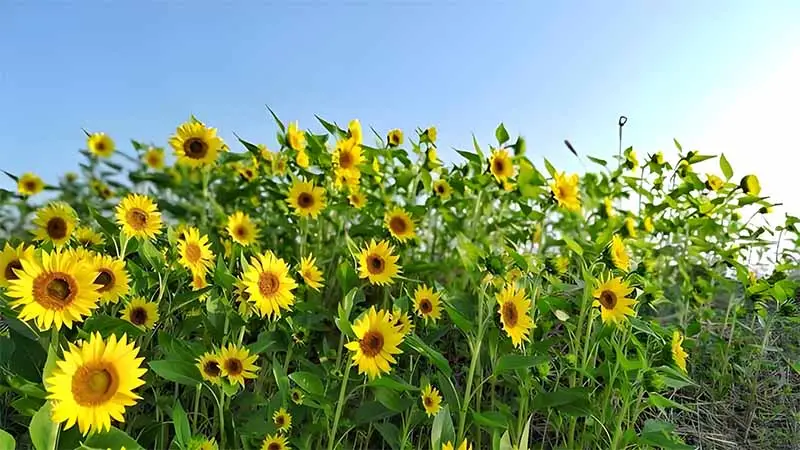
(349,179)
(275,442)
(354,131)
(427,303)
(295,138)
(401,321)
(154,158)
(357,199)
(199,282)
(237,364)
(713,182)
(612,297)
(282,420)
(395,138)
(347,155)
(55,223)
(311,274)
(631,161)
(241,228)
(210,367)
(88,237)
(750,185)
(247,172)
(278,165)
(449,446)
(618,253)
(202,443)
(630,227)
(112,278)
(195,251)
(442,189)
(378,339)
(11,261)
(608,208)
(431,400)
(100,144)
(306,199)
(514,314)
(302,159)
(500,165)
(565,191)
(54,291)
(377,263)
(269,284)
(139,217)
(141,313)
(94,383)
(399,224)
(196,145)
(29,184)
(648,224)
(678,353)
(297,396)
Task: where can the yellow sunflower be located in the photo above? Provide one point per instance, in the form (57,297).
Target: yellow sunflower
(200,443)
(630,227)
(275,442)
(354,131)
(357,199)
(311,274)
(55,223)
(377,263)
(714,182)
(678,353)
(210,367)
(55,291)
(514,309)
(139,216)
(241,228)
(29,184)
(306,199)
(377,340)
(349,179)
(100,144)
(199,282)
(401,320)
(278,165)
(94,383)
(449,446)
(500,165)
(565,191)
(112,278)
(347,155)
(295,138)
(612,297)
(141,313)
(750,185)
(395,138)
(154,158)
(196,145)
(618,253)
(88,237)
(442,189)
(269,284)
(608,208)
(195,251)
(427,303)
(648,225)
(431,400)
(399,224)
(282,420)
(237,364)
(11,261)
(433,158)
(297,396)
(302,159)
(247,172)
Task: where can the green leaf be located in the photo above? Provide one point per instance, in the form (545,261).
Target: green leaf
(222,276)
(725,166)
(501,134)
(392,382)
(442,429)
(308,382)
(516,362)
(677,144)
(658,433)
(43,431)
(602,162)
(181,372)
(107,325)
(13,177)
(183,432)
(7,441)
(281,379)
(574,246)
(433,356)
(505,442)
(661,402)
(277,121)
(108,227)
(490,419)
(572,401)
(390,433)
(550,169)
(696,158)
(113,439)
(458,319)
(469,156)
(332,129)
(524,439)
(390,399)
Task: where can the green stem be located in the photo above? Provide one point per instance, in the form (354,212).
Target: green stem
(196,410)
(221,407)
(339,406)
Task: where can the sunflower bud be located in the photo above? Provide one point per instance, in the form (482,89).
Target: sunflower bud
(750,185)
(654,381)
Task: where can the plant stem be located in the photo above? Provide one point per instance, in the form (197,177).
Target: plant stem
(339,406)
(196,410)
(221,407)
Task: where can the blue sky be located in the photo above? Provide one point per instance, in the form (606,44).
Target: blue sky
(715,74)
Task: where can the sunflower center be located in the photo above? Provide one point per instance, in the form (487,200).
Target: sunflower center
(8,273)
(94,385)
(57,228)
(608,299)
(195,148)
(345,160)
(193,252)
(139,316)
(427,401)
(268,284)
(137,219)
(425,306)
(371,344)
(280,421)
(233,366)
(375,264)
(105,279)
(510,314)
(305,200)
(240,232)
(398,225)
(30,185)
(211,368)
(563,192)
(100,146)
(440,189)
(274,446)
(498,166)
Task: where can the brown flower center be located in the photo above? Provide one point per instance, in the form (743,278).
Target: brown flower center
(94,384)
(280,421)
(305,200)
(233,366)
(345,160)
(100,146)
(398,225)
(138,316)
(193,252)
(498,166)
(211,368)
(54,290)
(608,299)
(371,344)
(30,185)
(57,228)
(105,279)
(375,264)
(8,273)
(440,189)
(510,314)
(425,306)
(274,446)
(195,148)
(240,232)
(427,401)
(137,219)
(268,284)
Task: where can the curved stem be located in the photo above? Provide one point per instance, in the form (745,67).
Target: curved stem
(339,406)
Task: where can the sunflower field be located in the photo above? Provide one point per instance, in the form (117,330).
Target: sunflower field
(352,290)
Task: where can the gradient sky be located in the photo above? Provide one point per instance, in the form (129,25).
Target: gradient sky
(721,76)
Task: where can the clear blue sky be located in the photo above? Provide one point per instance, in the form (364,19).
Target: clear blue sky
(549,70)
